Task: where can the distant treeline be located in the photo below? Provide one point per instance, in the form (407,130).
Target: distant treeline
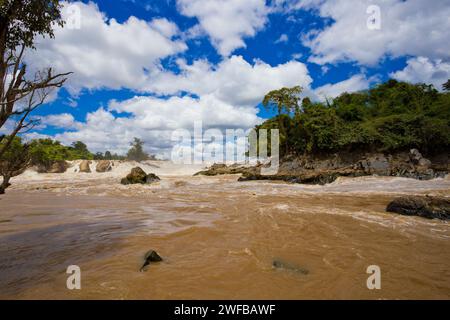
(392,116)
(46,151)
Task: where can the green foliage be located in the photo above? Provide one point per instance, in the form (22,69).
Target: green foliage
(23,20)
(393,116)
(13,161)
(136,152)
(284,99)
(46,151)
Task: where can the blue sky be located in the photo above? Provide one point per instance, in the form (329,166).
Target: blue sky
(146,68)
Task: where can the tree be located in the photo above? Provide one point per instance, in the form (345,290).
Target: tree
(283,100)
(447,85)
(14,161)
(136,152)
(20,92)
(108,155)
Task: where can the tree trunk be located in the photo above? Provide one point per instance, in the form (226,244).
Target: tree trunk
(5,184)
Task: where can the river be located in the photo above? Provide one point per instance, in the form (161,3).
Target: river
(218,238)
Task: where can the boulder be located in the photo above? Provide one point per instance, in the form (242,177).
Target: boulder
(138,176)
(376,164)
(58,167)
(104,166)
(85,166)
(223,169)
(150,256)
(421,206)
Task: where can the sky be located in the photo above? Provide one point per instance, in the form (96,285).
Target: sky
(144,68)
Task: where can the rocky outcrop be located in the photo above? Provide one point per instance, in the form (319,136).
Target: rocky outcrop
(223,169)
(424,206)
(58,167)
(326,169)
(104,166)
(307,177)
(151,256)
(85,166)
(138,176)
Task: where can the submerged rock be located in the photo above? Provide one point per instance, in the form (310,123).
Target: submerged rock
(151,256)
(423,206)
(104,166)
(138,176)
(279,264)
(85,166)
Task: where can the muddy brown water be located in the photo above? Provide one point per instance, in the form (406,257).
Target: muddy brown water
(219,238)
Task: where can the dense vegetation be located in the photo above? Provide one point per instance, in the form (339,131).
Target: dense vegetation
(44,152)
(393,116)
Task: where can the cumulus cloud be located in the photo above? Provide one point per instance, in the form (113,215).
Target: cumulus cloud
(154,120)
(413,27)
(233,81)
(104,53)
(356,83)
(424,70)
(62,121)
(227,22)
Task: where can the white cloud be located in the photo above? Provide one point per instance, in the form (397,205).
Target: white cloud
(424,70)
(104,53)
(63,121)
(353,84)
(154,120)
(413,27)
(233,81)
(227,22)
(282,39)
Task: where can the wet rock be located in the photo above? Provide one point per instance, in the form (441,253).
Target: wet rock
(85,166)
(376,164)
(104,166)
(421,206)
(307,177)
(151,256)
(138,176)
(222,169)
(58,167)
(280,264)
(151,178)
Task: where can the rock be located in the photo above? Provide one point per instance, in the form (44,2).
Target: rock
(421,206)
(85,166)
(424,163)
(151,178)
(279,264)
(58,167)
(138,176)
(222,169)
(104,166)
(151,256)
(376,164)
(415,156)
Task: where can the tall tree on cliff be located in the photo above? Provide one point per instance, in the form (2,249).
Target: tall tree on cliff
(284,100)
(21,21)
